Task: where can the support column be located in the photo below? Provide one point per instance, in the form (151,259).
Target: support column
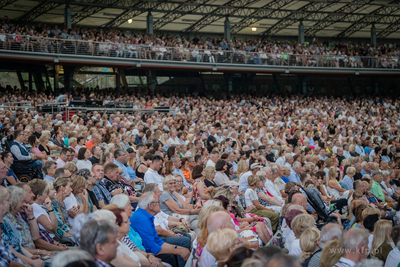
(56,79)
(149,23)
(67,16)
(151,81)
(304,85)
(227,30)
(301,33)
(30,81)
(373,35)
(68,78)
(122,75)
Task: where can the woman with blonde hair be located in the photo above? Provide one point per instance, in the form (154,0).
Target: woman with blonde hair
(221,243)
(331,253)
(242,168)
(209,175)
(202,236)
(381,242)
(309,243)
(334,187)
(299,225)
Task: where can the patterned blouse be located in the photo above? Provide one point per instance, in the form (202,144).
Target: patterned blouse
(262,202)
(23,223)
(197,198)
(11,235)
(61,207)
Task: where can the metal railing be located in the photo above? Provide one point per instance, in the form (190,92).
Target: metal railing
(131,110)
(123,50)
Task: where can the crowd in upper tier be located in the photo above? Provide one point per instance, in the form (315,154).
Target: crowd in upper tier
(244,181)
(255,50)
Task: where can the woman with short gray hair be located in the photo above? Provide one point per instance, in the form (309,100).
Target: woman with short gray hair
(11,236)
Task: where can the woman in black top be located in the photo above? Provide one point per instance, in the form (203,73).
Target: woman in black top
(138,173)
(332,128)
(58,139)
(209,176)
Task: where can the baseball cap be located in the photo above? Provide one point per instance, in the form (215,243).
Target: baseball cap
(255,165)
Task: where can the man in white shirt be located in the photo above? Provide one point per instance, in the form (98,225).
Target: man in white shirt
(254,168)
(151,175)
(217,220)
(355,245)
(213,159)
(346,152)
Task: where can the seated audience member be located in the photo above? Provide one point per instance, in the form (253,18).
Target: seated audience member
(393,258)
(99,238)
(355,246)
(216,221)
(381,246)
(11,250)
(101,193)
(299,224)
(221,243)
(83,159)
(142,222)
(251,198)
(21,153)
(331,254)
(46,216)
(170,204)
(329,232)
(309,244)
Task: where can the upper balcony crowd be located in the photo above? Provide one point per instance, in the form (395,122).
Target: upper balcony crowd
(256,50)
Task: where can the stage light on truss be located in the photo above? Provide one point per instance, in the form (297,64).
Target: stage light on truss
(129,21)
(254,29)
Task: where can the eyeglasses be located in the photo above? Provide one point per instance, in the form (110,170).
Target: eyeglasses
(179,182)
(156,202)
(172,183)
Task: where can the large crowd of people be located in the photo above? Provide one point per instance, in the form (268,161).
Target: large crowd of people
(255,50)
(231,182)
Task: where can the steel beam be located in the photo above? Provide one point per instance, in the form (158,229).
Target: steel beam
(297,16)
(376,16)
(341,14)
(4,3)
(261,13)
(230,8)
(187,7)
(394,27)
(90,10)
(38,10)
(128,14)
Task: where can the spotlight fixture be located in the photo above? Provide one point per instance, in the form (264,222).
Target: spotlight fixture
(254,29)
(129,21)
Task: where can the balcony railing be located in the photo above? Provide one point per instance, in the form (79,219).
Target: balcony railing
(122,50)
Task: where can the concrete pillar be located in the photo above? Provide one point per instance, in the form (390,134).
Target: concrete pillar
(301,33)
(151,81)
(149,23)
(68,78)
(67,16)
(304,85)
(373,35)
(227,30)
(56,78)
